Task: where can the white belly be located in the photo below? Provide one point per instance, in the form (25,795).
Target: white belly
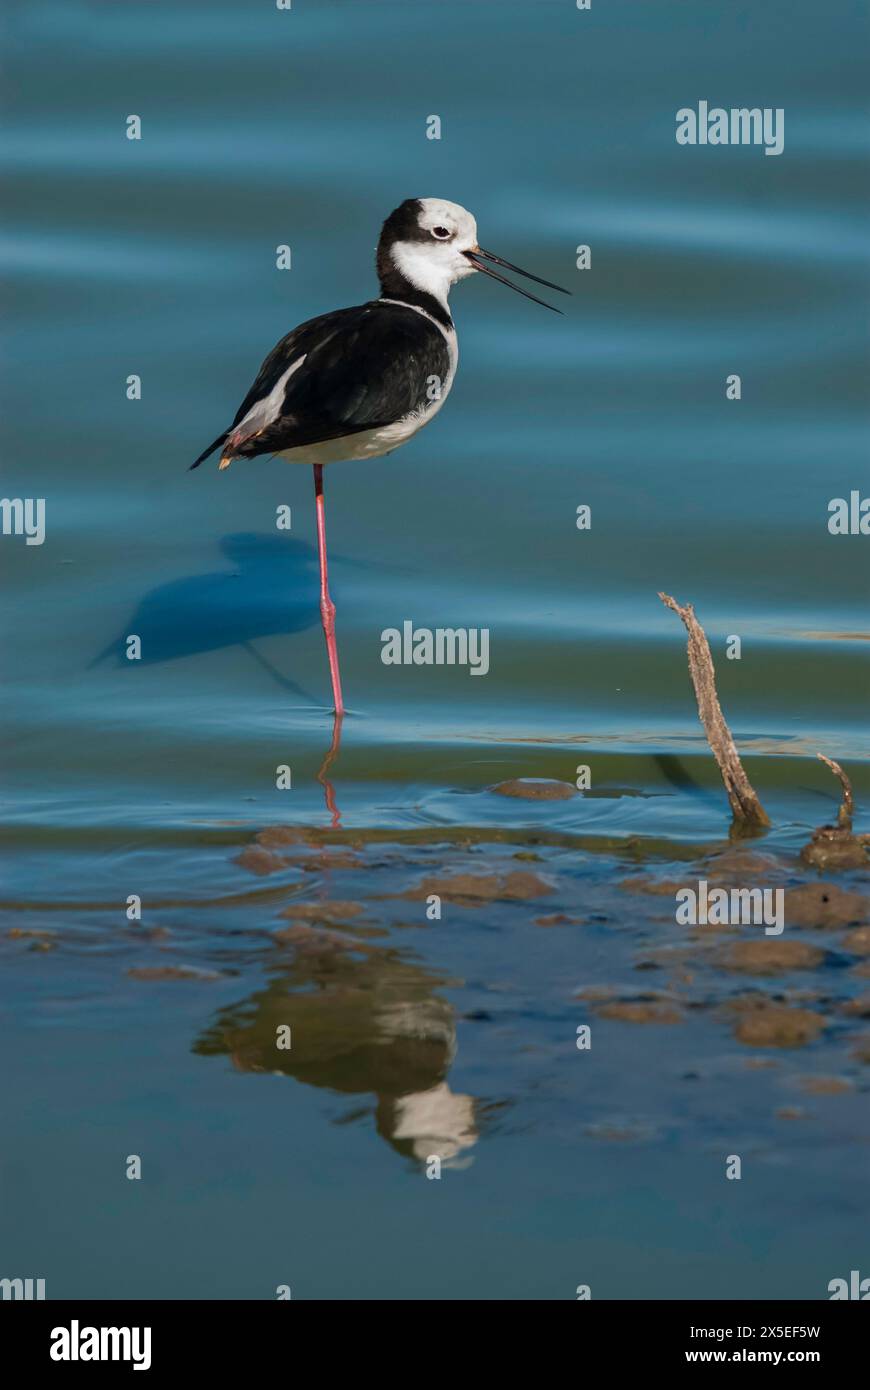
(365,444)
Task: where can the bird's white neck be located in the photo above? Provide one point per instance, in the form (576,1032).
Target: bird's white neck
(423,271)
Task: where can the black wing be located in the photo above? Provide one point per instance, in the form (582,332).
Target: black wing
(364,368)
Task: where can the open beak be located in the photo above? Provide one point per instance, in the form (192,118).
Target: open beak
(479,257)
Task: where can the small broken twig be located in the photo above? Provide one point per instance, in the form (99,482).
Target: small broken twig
(745,805)
(847,807)
(834,846)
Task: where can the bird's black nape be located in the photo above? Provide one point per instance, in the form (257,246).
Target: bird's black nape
(403,224)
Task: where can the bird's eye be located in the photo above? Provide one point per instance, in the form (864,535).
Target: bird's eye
(442,233)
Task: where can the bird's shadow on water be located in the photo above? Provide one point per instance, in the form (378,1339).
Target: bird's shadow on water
(674,770)
(270,588)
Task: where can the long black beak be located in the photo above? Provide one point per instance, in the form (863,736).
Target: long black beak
(479,258)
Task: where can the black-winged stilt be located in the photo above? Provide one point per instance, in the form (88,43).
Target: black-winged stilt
(359,382)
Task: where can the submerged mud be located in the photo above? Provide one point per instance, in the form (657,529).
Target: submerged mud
(396,959)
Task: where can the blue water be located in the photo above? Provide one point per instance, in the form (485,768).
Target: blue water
(157,258)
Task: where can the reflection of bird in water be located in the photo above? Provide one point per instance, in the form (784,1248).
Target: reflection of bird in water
(362,1020)
(332,754)
(434,1122)
(271,589)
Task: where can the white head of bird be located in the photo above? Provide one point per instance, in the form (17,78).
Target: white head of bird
(428,247)
(430,243)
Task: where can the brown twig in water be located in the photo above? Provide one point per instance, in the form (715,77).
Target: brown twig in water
(834,846)
(745,805)
(847,807)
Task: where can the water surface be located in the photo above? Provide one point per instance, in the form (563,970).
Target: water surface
(157,777)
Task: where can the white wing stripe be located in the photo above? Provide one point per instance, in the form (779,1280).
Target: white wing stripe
(264,411)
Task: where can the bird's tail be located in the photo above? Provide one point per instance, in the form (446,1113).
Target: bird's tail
(210,450)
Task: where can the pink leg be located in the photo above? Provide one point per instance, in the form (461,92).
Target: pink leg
(327,607)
